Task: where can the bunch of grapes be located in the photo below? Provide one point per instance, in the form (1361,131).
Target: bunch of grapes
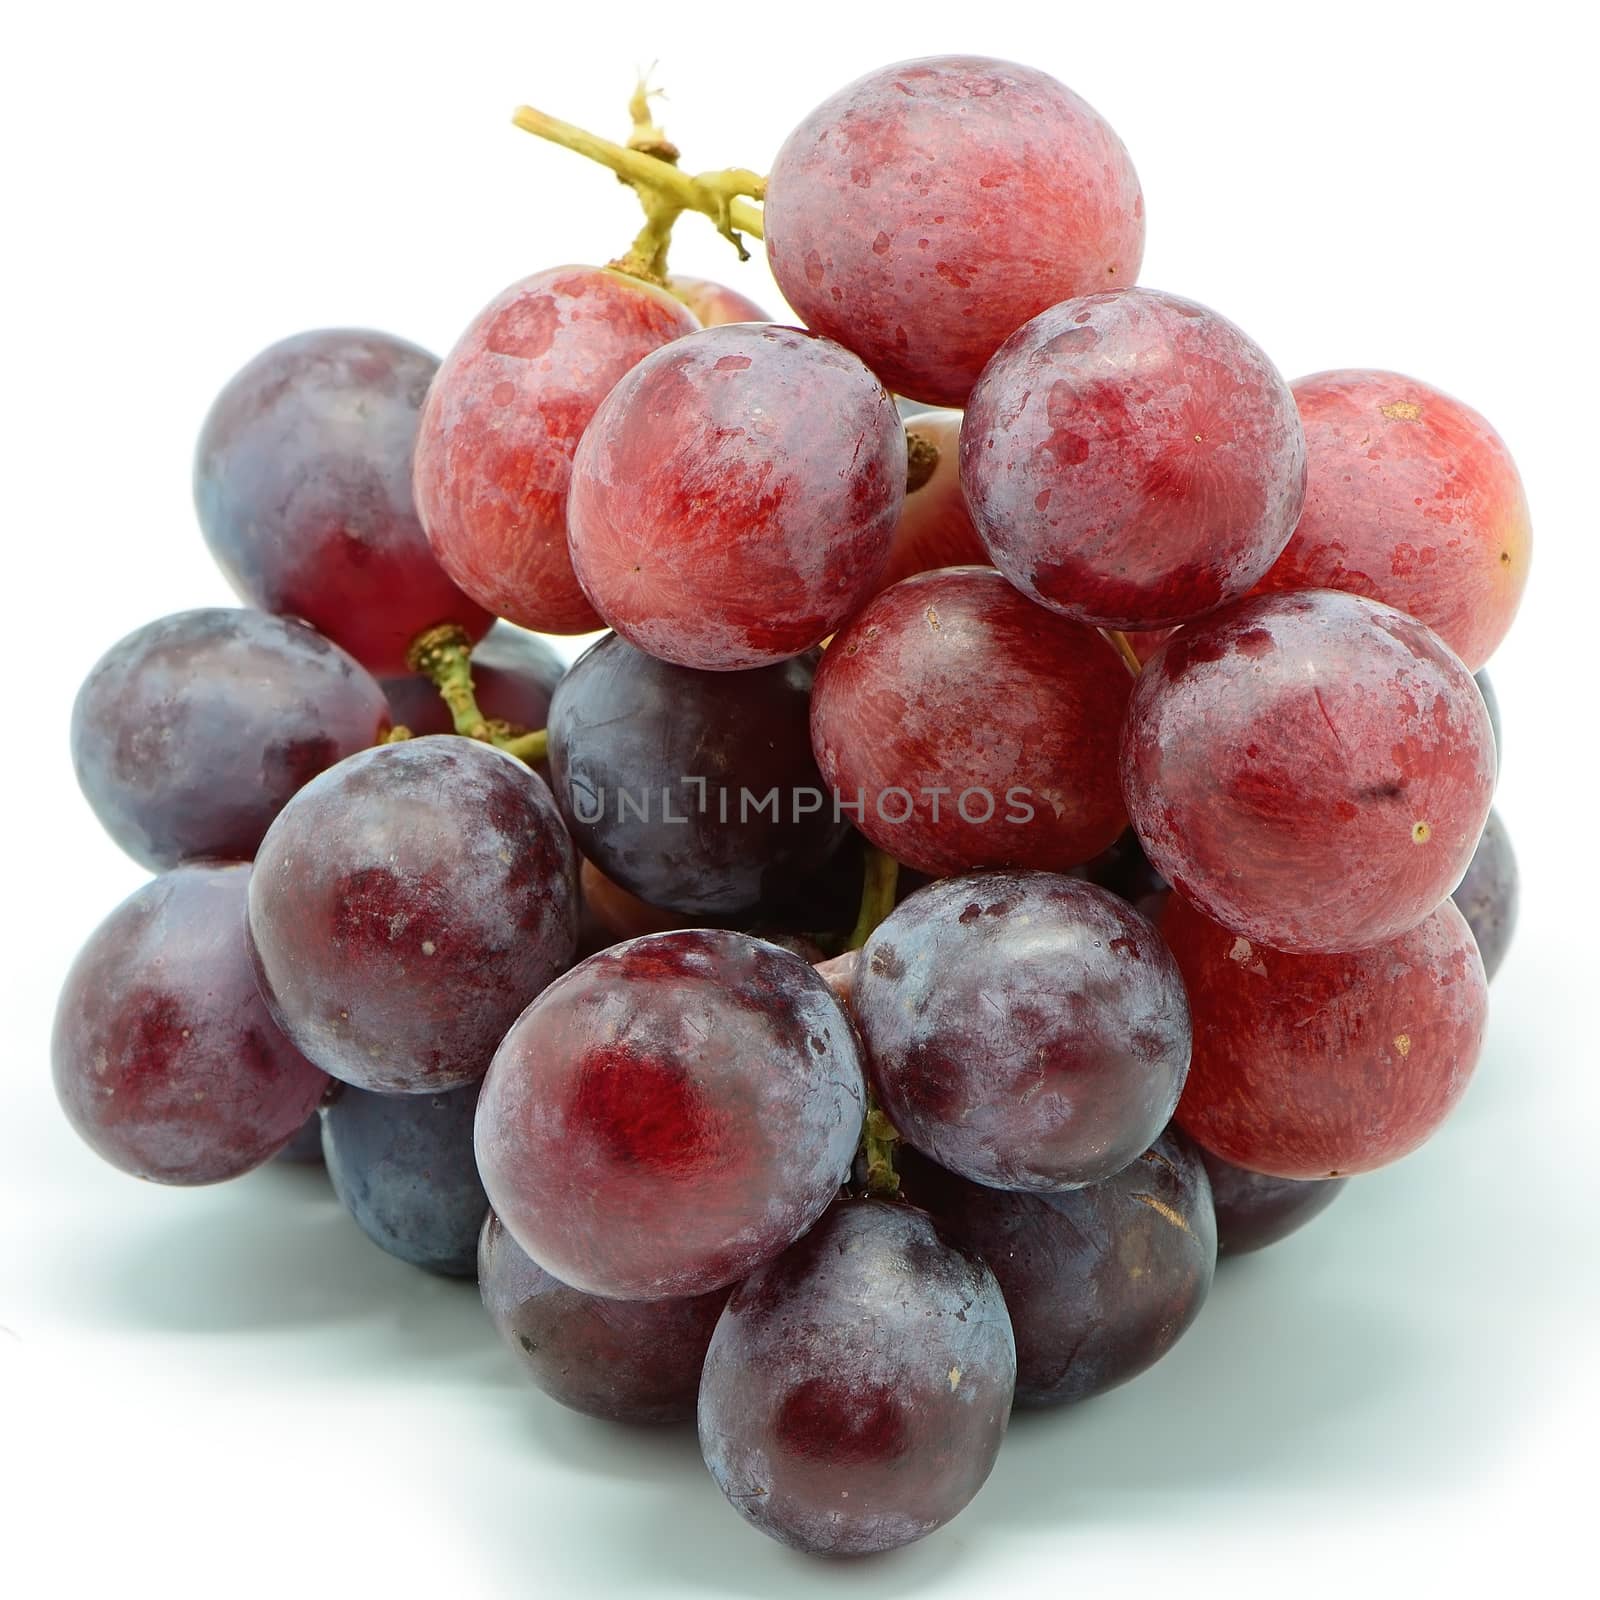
(1000,856)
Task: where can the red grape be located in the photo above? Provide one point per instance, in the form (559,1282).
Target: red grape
(1488,894)
(166,1061)
(190,735)
(1317,1066)
(857,1389)
(935,529)
(623,1360)
(503,418)
(1312,770)
(671,1113)
(695,791)
(513,676)
(925,212)
(1412,499)
(1025,1030)
(1254,1210)
(1132,460)
(1491,704)
(734,499)
(302,479)
(715,303)
(1100,1282)
(972,728)
(406,905)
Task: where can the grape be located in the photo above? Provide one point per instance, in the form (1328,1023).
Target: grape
(1125,870)
(695,791)
(1254,1210)
(1488,894)
(671,1113)
(166,1061)
(406,906)
(857,1389)
(513,676)
(926,211)
(1414,500)
(934,528)
(715,303)
(1100,1282)
(1145,644)
(190,735)
(735,497)
(1312,770)
(972,728)
(622,1360)
(402,1166)
(1025,1030)
(1492,705)
(302,480)
(304,1149)
(612,914)
(502,421)
(1318,1066)
(1132,460)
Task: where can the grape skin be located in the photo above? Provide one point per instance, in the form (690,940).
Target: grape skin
(190,735)
(1491,704)
(305,1148)
(302,480)
(951,681)
(406,905)
(1132,460)
(1254,1211)
(503,418)
(1488,894)
(402,1166)
(1412,499)
(714,304)
(1320,1066)
(857,1389)
(1025,1030)
(621,1360)
(1100,1282)
(625,727)
(1312,770)
(165,1059)
(735,496)
(671,1113)
(895,206)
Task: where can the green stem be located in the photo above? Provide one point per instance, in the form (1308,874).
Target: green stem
(529,747)
(879,878)
(878,1139)
(443,655)
(1119,642)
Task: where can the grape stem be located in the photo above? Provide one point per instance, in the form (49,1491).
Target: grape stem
(664,190)
(879,879)
(1119,642)
(443,655)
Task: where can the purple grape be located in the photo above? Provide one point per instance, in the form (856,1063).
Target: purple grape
(166,1061)
(1025,1030)
(858,1387)
(402,1166)
(1491,704)
(670,1114)
(305,1148)
(1489,893)
(406,906)
(1254,1210)
(190,735)
(622,1360)
(1101,1282)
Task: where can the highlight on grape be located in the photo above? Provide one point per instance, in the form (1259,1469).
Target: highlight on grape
(1025,834)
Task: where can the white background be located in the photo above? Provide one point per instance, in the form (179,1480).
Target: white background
(230,1391)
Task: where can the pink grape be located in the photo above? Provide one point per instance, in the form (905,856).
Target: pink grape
(715,303)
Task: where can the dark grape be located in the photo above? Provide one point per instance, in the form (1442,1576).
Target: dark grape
(166,1061)
(514,673)
(966,727)
(623,1360)
(715,303)
(894,215)
(1100,1282)
(1254,1210)
(1312,770)
(695,791)
(407,905)
(735,496)
(1132,460)
(857,1388)
(494,455)
(1025,1030)
(1488,894)
(1414,500)
(1319,1066)
(303,484)
(402,1165)
(305,1148)
(1124,869)
(1491,704)
(671,1113)
(190,735)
